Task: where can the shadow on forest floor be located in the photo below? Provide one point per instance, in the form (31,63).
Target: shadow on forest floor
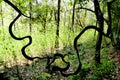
(31,70)
(36,70)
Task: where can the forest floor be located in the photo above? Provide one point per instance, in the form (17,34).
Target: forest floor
(115,56)
(36,70)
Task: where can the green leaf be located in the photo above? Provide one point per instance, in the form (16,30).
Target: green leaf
(69,3)
(0,1)
(45,75)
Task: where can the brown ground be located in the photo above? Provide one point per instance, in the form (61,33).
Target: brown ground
(115,56)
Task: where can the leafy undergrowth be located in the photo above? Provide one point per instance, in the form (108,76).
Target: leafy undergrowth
(109,69)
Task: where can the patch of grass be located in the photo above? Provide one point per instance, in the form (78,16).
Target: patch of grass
(100,72)
(44,43)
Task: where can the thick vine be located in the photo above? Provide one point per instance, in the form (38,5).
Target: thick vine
(51,59)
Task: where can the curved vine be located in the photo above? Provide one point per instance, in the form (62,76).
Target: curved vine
(16,38)
(62,70)
(55,56)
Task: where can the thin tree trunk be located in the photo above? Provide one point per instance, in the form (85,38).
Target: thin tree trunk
(58,24)
(73,16)
(2,16)
(30,13)
(109,16)
(45,19)
(100,20)
(36,1)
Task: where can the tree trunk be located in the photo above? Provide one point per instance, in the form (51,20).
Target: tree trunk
(36,1)
(30,13)
(110,18)
(100,20)
(45,18)
(58,24)
(73,16)
(2,16)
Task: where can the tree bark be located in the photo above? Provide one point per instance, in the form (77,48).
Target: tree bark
(45,18)
(30,13)
(2,16)
(109,30)
(36,1)
(58,24)
(73,15)
(100,20)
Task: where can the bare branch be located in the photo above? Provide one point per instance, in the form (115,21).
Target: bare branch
(85,9)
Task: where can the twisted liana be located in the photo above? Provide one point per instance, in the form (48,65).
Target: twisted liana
(22,38)
(49,62)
